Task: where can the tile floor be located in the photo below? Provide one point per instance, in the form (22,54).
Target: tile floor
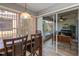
(49,50)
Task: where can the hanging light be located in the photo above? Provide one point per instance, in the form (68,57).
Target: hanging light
(25,15)
(61,19)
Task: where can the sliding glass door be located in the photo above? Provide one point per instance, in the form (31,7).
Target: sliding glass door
(64,32)
(67,33)
(54,43)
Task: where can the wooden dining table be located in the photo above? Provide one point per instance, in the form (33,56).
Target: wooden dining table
(2,48)
(2,45)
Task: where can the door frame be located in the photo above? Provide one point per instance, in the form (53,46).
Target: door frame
(57,28)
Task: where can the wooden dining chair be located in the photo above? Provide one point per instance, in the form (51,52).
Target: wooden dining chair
(16,46)
(36,45)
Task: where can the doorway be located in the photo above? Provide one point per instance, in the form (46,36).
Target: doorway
(67,33)
(63,33)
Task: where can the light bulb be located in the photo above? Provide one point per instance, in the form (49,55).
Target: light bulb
(61,20)
(25,15)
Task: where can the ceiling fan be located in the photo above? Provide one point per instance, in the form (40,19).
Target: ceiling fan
(62,19)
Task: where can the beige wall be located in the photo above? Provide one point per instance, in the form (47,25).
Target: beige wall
(33,25)
(27,26)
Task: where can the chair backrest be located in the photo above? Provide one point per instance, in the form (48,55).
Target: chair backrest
(15,46)
(36,44)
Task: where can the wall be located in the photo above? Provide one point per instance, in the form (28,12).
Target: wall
(31,26)
(27,26)
(24,26)
(40,24)
(71,19)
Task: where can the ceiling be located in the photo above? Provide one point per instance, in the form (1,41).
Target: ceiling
(42,8)
(68,13)
(37,7)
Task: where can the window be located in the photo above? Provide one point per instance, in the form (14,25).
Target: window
(8,24)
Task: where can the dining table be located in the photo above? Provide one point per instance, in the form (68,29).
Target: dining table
(2,48)
(2,44)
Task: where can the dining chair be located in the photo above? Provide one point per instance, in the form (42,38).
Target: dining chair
(35,45)
(16,46)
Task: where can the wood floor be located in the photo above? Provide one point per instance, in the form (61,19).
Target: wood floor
(49,50)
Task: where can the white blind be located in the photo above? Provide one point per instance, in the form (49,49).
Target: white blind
(8,24)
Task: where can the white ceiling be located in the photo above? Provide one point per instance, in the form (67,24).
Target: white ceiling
(42,8)
(37,7)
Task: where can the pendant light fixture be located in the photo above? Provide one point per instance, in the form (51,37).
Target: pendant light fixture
(25,15)
(61,19)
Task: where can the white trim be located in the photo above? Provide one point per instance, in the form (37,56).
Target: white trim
(75,5)
(78,31)
(56,32)
(3,7)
